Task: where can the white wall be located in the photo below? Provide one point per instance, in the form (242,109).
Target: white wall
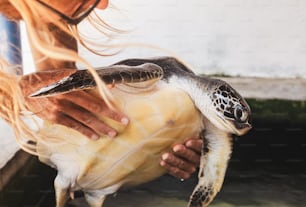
(265,38)
(8,144)
(235,37)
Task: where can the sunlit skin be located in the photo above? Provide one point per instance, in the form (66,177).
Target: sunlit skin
(73,109)
(184,159)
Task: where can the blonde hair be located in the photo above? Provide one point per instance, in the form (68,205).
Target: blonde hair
(12,104)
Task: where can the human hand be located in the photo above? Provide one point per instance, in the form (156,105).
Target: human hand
(184,159)
(79,110)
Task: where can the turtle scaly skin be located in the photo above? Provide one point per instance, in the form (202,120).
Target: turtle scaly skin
(117,74)
(177,105)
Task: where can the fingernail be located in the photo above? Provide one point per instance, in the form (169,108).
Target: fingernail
(112,134)
(177,148)
(162,163)
(124,120)
(165,156)
(94,137)
(188,143)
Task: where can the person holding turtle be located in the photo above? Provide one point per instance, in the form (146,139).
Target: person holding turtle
(52,31)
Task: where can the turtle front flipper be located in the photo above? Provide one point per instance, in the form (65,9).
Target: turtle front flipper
(115,74)
(164,62)
(216,152)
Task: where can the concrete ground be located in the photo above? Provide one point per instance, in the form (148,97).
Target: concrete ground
(269,88)
(262,189)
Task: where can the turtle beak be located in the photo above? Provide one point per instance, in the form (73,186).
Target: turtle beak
(242,128)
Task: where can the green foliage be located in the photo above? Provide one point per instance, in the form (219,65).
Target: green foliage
(292,112)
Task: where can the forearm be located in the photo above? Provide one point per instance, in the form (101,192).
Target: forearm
(63,40)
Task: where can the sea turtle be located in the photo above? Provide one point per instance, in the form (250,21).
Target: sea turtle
(166,103)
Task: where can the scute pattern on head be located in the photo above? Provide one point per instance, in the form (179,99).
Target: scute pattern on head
(228,102)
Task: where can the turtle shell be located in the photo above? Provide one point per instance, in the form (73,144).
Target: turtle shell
(159,118)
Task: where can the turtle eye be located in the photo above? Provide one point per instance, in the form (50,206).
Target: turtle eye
(240,114)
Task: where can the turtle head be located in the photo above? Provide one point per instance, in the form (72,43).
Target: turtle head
(228,110)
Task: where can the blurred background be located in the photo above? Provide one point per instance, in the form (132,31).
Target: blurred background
(258,46)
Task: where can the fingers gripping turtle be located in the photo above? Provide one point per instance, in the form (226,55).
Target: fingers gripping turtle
(223,111)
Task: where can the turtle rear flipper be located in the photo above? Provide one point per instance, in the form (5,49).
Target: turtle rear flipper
(116,74)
